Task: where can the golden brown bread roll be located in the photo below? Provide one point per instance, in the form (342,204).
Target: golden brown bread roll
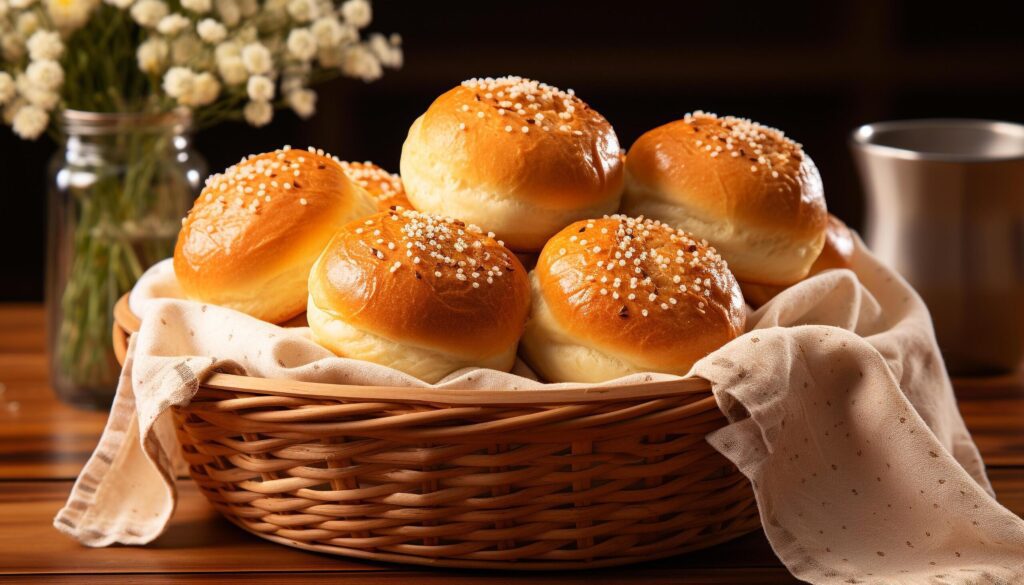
(618,295)
(515,156)
(386,187)
(423,294)
(752,192)
(837,253)
(254,232)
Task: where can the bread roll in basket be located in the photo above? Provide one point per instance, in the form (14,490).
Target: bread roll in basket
(482,479)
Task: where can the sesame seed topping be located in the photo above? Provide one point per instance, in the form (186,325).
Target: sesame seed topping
(665,266)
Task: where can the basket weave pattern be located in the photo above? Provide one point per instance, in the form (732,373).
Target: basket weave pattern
(535,481)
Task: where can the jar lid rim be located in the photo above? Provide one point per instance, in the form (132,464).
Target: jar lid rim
(86,122)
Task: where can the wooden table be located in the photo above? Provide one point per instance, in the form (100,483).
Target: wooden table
(44,443)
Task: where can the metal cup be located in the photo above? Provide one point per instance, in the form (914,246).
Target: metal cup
(946,210)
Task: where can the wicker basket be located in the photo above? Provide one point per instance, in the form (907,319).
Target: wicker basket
(494,479)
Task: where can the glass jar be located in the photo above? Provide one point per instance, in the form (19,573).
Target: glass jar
(118,189)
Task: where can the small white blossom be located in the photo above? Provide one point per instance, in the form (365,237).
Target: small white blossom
(258,113)
(148,13)
(248,7)
(45,74)
(152,55)
(260,88)
(359,62)
(122,4)
(197,6)
(301,44)
(44,44)
(4,8)
(172,24)
(302,10)
(185,50)
(41,98)
(357,13)
(7,89)
(386,52)
(30,121)
(12,46)
(257,59)
(204,91)
(211,31)
(226,50)
(228,11)
(232,70)
(178,82)
(330,32)
(26,24)
(70,15)
(21,4)
(303,102)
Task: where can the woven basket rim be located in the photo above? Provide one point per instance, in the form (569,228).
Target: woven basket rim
(126,323)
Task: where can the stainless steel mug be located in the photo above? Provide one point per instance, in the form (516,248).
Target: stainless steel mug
(946,210)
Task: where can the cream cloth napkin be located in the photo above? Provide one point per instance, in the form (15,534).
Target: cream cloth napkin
(840,412)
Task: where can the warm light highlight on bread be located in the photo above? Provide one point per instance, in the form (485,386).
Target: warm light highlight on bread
(752,192)
(618,295)
(386,187)
(515,156)
(256,229)
(423,294)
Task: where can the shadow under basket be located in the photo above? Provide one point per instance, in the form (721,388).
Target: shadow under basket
(482,479)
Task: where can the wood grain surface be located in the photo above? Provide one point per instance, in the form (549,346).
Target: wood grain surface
(44,443)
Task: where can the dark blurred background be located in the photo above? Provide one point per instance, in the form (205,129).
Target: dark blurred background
(813,68)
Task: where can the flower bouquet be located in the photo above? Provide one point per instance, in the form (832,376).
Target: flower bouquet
(121,84)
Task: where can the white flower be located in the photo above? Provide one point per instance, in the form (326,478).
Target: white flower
(359,62)
(152,55)
(45,74)
(388,54)
(172,24)
(27,23)
(302,10)
(357,13)
(197,6)
(149,12)
(178,82)
(69,15)
(7,89)
(227,50)
(203,91)
(41,98)
(260,88)
(329,32)
(4,8)
(258,113)
(45,44)
(211,31)
(301,44)
(30,121)
(232,70)
(122,4)
(228,11)
(303,102)
(185,50)
(257,59)
(12,46)
(21,4)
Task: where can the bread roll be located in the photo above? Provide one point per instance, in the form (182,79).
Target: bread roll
(422,294)
(752,192)
(386,187)
(837,253)
(515,156)
(618,295)
(254,232)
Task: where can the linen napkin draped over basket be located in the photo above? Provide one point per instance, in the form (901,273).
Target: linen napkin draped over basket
(835,405)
